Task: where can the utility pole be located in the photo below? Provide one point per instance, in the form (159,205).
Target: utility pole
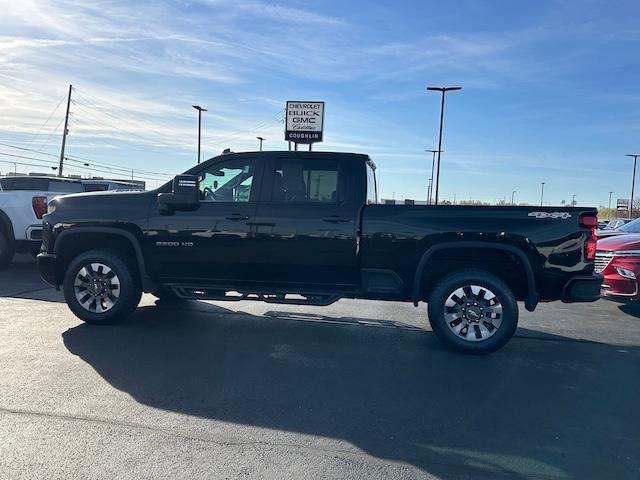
(513,192)
(429,191)
(200,110)
(442,90)
(65,131)
(542,193)
(609,213)
(261,140)
(633,182)
(433,164)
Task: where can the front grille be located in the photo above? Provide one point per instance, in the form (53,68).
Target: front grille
(603,259)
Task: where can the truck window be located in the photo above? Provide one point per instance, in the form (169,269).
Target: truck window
(228,181)
(372,190)
(309,180)
(96,187)
(64,187)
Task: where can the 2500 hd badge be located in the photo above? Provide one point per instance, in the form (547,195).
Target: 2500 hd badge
(174,244)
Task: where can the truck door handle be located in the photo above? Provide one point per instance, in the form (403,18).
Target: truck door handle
(336,219)
(236,216)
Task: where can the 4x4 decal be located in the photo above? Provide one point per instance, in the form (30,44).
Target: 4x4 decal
(562,215)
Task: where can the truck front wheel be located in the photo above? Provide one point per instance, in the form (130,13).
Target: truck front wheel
(100,288)
(473,311)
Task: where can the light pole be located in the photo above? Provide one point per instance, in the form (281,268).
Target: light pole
(433,164)
(512,195)
(200,110)
(442,90)
(429,191)
(542,193)
(609,213)
(261,140)
(633,181)
(573,200)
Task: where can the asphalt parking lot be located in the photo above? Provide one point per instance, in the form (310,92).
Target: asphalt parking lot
(354,390)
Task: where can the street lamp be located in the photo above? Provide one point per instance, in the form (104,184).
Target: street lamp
(200,110)
(542,193)
(512,195)
(433,163)
(633,181)
(261,140)
(442,90)
(609,213)
(573,200)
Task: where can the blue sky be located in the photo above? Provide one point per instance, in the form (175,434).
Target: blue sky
(550,88)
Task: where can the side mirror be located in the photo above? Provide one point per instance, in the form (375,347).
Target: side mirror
(185,195)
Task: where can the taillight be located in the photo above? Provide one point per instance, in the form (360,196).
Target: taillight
(590,221)
(39,205)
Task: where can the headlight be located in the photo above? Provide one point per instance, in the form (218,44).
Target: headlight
(623,272)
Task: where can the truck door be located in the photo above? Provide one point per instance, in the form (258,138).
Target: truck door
(214,242)
(305,223)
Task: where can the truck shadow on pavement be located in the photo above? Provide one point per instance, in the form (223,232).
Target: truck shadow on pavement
(538,408)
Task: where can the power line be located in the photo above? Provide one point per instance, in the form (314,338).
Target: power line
(83,93)
(94,162)
(47,120)
(46,140)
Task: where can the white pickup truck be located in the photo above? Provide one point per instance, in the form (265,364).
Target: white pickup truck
(23,201)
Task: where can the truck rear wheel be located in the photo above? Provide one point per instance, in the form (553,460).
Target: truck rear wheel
(100,288)
(6,251)
(473,311)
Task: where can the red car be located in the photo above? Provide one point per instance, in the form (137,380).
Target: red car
(618,259)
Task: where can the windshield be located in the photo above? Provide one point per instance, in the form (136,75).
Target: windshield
(631,227)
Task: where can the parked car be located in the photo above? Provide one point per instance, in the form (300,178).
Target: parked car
(305,228)
(23,202)
(612,228)
(97,185)
(602,224)
(618,259)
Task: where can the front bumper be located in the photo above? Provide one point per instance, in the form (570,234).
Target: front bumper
(582,288)
(47,268)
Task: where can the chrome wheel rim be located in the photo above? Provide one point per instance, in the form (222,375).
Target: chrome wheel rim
(97,287)
(473,313)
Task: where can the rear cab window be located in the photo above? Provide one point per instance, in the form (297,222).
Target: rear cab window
(41,185)
(307,180)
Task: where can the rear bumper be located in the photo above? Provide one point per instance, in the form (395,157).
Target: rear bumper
(47,268)
(582,288)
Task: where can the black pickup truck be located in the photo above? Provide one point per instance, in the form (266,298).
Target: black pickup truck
(305,228)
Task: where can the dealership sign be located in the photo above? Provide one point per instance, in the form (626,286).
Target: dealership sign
(623,204)
(304,122)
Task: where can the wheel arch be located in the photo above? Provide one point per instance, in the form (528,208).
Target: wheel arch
(6,226)
(81,236)
(531,297)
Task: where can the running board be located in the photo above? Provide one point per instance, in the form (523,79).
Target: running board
(193,293)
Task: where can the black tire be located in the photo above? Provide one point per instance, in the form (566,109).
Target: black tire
(129,288)
(443,319)
(6,250)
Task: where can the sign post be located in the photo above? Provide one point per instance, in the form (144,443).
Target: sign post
(304,122)
(622,205)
